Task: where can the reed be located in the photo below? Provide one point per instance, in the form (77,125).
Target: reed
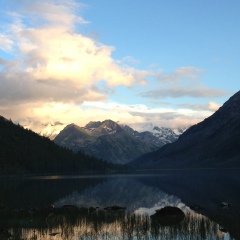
(103,225)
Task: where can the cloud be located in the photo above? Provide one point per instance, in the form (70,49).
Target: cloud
(6,44)
(182,73)
(182,92)
(142,117)
(188,72)
(51,72)
(63,13)
(52,69)
(56,63)
(18,88)
(73,57)
(3,62)
(211,106)
(182,82)
(59,12)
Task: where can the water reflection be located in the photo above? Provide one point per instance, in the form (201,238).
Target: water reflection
(27,213)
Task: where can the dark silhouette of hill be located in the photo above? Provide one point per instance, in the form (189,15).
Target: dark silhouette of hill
(213,142)
(24,152)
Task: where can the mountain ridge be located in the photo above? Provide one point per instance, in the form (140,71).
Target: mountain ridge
(210,143)
(111,141)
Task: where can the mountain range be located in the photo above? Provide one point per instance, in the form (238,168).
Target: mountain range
(22,151)
(113,142)
(213,142)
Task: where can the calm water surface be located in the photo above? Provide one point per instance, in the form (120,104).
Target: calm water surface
(27,210)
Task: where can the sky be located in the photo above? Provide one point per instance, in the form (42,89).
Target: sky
(139,62)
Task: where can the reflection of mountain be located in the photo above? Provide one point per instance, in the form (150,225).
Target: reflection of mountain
(37,192)
(207,189)
(137,193)
(126,192)
(148,193)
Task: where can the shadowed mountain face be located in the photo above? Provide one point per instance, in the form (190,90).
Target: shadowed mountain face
(113,142)
(106,140)
(211,143)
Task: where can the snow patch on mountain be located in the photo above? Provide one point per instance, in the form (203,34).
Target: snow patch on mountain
(158,136)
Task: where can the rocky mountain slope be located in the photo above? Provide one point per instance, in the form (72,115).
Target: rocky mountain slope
(159,136)
(212,143)
(106,140)
(111,141)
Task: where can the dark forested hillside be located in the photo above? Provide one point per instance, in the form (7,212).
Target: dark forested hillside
(23,151)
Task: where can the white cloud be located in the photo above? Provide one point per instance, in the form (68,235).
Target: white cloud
(182,82)
(182,73)
(188,72)
(140,116)
(178,92)
(57,68)
(53,62)
(59,12)
(6,44)
(213,106)
(53,69)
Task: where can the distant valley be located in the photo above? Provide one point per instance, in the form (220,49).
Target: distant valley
(113,142)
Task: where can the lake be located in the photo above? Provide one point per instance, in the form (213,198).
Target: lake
(121,206)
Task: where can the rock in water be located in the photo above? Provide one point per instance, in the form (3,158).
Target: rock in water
(168,216)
